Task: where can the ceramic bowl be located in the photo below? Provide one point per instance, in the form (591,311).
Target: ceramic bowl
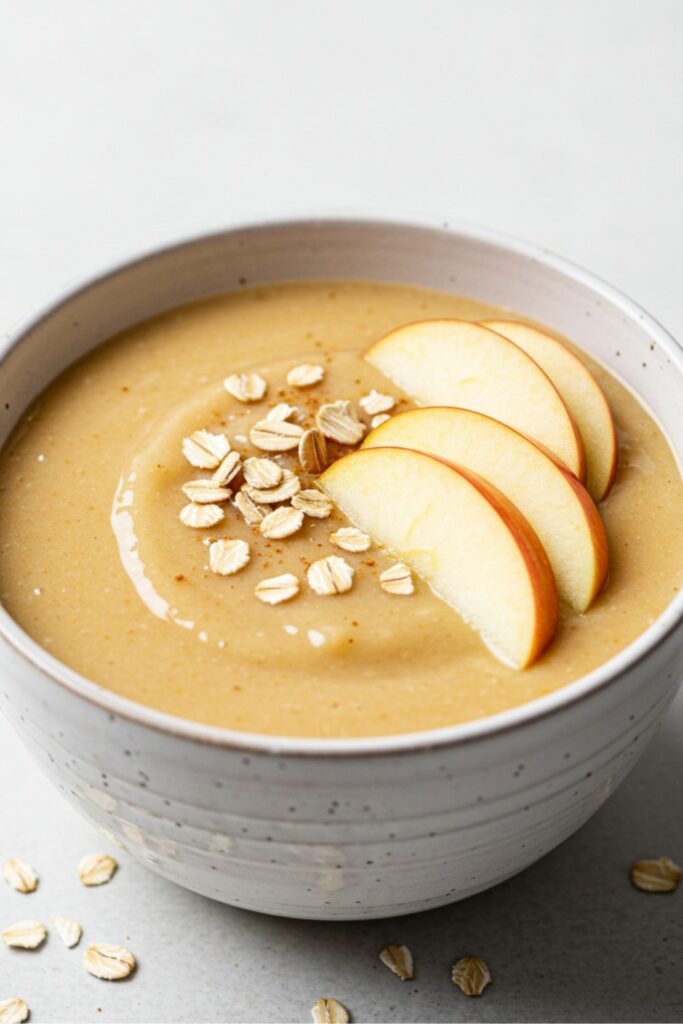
(357,828)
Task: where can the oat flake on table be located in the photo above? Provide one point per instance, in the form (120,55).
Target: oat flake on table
(660,875)
(68,930)
(13,1011)
(471,975)
(25,935)
(329,1011)
(108,962)
(399,960)
(20,875)
(96,868)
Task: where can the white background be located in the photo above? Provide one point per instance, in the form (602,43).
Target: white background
(124,124)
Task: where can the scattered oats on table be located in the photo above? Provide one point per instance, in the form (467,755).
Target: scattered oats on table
(25,935)
(331,575)
(246,387)
(471,975)
(277,589)
(329,1011)
(13,1011)
(68,930)
(96,869)
(108,962)
(20,875)
(348,538)
(398,959)
(305,376)
(660,875)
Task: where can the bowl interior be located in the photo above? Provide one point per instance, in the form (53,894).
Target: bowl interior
(462,260)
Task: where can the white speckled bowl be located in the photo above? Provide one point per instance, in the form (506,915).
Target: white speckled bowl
(356,828)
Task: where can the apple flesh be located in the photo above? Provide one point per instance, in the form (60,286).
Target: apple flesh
(583,395)
(463,537)
(458,363)
(555,504)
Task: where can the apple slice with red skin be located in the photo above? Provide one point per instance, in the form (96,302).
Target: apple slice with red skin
(556,505)
(461,535)
(582,394)
(455,362)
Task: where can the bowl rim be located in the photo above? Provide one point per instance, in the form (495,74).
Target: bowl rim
(461,734)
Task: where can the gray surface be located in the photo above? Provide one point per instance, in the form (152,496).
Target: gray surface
(124,125)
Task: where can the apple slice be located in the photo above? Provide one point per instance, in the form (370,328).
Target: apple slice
(583,395)
(557,506)
(454,362)
(462,536)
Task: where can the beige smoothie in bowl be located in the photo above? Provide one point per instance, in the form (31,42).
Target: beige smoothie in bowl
(337,509)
